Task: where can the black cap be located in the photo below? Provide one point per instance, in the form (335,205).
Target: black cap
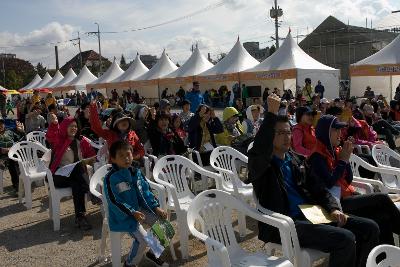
(185,102)
(2,120)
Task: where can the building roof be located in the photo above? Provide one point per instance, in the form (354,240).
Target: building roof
(324,34)
(75,63)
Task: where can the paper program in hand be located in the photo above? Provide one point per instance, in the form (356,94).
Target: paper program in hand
(315,214)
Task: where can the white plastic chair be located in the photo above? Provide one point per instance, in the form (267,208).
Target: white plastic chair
(26,154)
(115,237)
(224,159)
(303,257)
(392,256)
(204,181)
(212,211)
(97,144)
(382,155)
(391,185)
(173,172)
(55,197)
(37,136)
(96,188)
(362,148)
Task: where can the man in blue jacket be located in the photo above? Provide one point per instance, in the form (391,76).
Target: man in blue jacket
(130,202)
(195,97)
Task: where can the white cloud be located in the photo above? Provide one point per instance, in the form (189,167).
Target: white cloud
(215,31)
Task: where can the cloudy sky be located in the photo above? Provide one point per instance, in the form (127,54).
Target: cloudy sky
(28,28)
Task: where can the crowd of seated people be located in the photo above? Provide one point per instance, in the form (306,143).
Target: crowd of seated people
(302,146)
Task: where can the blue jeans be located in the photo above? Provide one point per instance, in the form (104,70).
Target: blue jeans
(139,243)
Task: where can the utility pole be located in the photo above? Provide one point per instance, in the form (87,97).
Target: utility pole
(80,51)
(275,13)
(4,71)
(98,37)
(56,51)
(396,11)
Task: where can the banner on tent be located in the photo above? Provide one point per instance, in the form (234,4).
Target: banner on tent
(269,75)
(119,85)
(218,78)
(144,83)
(375,70)
(177,80)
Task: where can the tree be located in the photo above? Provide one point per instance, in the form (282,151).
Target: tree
(221,56)
(13,81)
(272,50)
(122,63)
(40,69)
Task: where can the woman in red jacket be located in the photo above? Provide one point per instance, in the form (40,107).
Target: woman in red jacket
(69,147)
(120,129)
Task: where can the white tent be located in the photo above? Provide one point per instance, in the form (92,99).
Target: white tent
(33,83)
(136,69)
(79,82)
(226,72)
(288,67)
(112,72)
(46,78)
(67,79)
(57,78)
(184,76)
(148,83)
(381,71)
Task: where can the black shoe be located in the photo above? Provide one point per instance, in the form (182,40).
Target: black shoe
(153,259)
(127,265)
(82,223)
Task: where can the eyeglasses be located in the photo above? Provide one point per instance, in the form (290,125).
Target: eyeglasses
(280,133)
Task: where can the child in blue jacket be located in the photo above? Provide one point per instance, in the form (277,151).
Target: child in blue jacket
(130,202)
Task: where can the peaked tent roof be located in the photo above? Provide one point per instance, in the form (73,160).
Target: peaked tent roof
(136,69)
(84,77)
(289,56)
(237,60)
(197,63)
(164,66)
(390,54)
(46,78)
(57,77)
(33,83)
(113,72)
(67,78)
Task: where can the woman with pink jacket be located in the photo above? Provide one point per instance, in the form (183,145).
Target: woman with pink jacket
(69,147)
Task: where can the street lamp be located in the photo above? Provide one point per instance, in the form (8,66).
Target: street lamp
(98,37)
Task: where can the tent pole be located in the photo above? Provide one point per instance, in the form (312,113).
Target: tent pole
(391,87)
(158,86)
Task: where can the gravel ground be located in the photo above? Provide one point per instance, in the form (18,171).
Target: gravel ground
(27,237)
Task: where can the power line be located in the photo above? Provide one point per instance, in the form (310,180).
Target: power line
(190,15)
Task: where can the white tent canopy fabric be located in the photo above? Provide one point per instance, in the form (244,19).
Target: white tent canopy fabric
(57,78)
(163,67)
(390,54)
(113,72)
(196,64)
(136,69)
(289,56)
(46,78)
(380,71)
(84,77)
(36,80)
(292,66)
(67,78)
(237,60)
